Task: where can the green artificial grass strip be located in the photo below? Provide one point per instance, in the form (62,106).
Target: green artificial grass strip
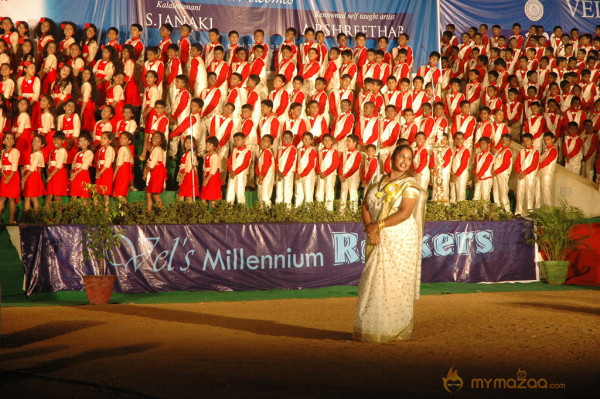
(69,298)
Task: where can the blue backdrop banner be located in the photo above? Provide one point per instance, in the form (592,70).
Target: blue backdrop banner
(581,14)
(160,258)
(375,18)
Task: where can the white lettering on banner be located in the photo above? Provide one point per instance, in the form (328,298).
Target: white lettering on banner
(196,22)
(584,8)
(235,260)
(347,250)
(145,253)
(462,243)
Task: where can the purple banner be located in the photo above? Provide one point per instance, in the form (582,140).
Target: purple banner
(160,258)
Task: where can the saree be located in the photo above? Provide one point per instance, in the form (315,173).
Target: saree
(391,279)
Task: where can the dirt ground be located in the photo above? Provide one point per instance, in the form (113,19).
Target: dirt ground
(301,348)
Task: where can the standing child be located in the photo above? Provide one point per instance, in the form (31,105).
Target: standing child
(87,103)
(90,44)
(211,182)
(32,183)
(80,175)
(123,175)
(57,181)
(47,125)
(173,69)
(180,109)
(104,71)
(135,31)
(132,93)
(590,146)
(370,168)
(305,173)
(544,189)
(238,164)
(22,130)
(536,125)
(483,171)
(10,186)
(105,173)
(441,175)
(459,174)
(188,176)
(350,173)
(29,86)
(572,148)
(421,170)
(196,70)
(286,167)
(327,166)
(501,171)
(155,172)
(265,170)
(526,167)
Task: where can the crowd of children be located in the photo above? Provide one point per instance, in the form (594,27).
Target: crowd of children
(71,109)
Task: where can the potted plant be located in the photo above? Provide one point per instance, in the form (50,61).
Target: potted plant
(98,240)
(553,234)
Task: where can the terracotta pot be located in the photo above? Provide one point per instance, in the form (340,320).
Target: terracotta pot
(99,289)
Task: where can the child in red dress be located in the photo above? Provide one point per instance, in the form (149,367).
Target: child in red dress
(88,96)
(10,186)
(155,172)
(104,171)
(188,176)
(70,124)
(57,181)
(29,86)
(32,183)
(49,71)
(22,130)
(115,97)
(211,183)
(123,167)
(132,93)
(80,175)
(47,122)
(104,70)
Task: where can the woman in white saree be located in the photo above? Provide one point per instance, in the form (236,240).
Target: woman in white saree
(391,278)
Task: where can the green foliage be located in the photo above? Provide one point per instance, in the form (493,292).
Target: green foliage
(99,237)
(135,213)
(553,230)
(466,210)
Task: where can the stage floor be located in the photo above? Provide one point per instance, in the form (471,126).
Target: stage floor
(299,348)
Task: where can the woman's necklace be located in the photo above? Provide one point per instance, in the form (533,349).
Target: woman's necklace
(381,190)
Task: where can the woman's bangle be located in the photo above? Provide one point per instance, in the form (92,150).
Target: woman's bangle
(381,225)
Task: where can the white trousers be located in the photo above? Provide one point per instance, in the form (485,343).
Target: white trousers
(236,188)
(326,190)
(500,188)
(265,189)
(483,189)
(544,189)
(458,188)
(525,194)
(574,164)
(305,189)
(350,189)
(587,169)
(285,189)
